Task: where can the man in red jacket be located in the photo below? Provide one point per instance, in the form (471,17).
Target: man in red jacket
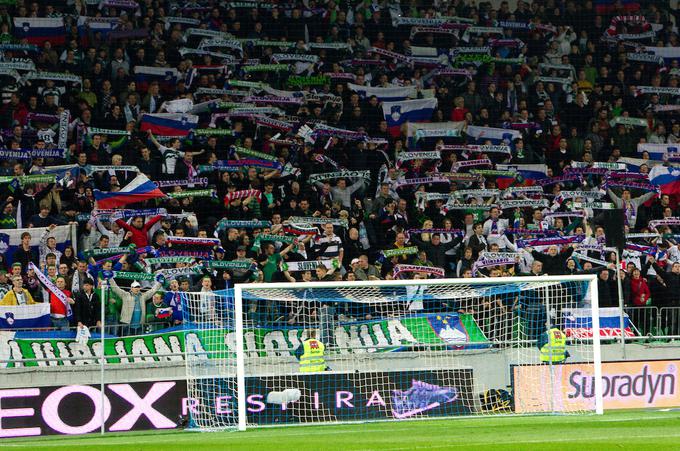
(139,230)
(59,310)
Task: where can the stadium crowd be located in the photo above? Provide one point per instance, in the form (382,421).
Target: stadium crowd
(333,140)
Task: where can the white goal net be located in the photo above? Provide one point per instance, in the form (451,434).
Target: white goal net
(392,350)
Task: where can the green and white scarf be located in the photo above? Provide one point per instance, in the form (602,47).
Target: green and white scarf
(247,84)
(193,193)
(632,121)
(106,131)
(318,221)
(310,265)
(366,175)
(253,153)
(212,132)
(234,264)
(126,275)
(221,92)
(398,252)
(266,68)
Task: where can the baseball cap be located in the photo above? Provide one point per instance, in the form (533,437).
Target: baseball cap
(135,284)
(241,248)
(354,260)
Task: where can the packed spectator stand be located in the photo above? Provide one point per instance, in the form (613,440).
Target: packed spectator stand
(195,145)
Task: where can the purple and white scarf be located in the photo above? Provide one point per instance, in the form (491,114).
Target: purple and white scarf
(431,270)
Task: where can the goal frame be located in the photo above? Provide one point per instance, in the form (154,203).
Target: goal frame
(238,320)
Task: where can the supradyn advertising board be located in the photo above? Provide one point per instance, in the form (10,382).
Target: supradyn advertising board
(327,396)
(625,385)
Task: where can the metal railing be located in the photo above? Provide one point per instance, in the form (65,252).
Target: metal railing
(645,319)
(655,323)
(669,321)
(116,330)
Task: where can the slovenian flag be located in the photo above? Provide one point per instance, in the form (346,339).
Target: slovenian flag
(165,76)
(10,239)
(479,135)
(38,30)
(138,190)
(528,174)
(25,316)
(93,25)
(657,151)
(169,124)
(391,94)
(578,323)
(613,6)
(668,178)
(398,113)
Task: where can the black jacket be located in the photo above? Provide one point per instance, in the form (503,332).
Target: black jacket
(436,254)
(87,308)
(477,245)
(25,257)
(554,265)
(672,282)
(607,290)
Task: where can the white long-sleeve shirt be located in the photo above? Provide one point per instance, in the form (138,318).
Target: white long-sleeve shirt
(495,234)
(44,249)
(114,238)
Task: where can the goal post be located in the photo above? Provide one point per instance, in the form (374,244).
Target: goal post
(336,352)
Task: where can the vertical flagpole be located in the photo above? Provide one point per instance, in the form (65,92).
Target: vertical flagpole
(74,238)
(102,360)
(240,358)
(620,292)
(597,350)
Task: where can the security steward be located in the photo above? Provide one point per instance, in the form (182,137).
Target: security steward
(311,354)
(553,346)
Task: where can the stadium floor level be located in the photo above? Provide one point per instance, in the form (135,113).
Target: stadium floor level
(638,430)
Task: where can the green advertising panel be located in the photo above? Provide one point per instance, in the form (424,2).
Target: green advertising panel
(391,335)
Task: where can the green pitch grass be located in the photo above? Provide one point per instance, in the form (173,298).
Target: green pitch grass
(638,430)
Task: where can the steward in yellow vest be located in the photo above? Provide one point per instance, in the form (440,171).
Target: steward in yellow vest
(310,353)
(553,346)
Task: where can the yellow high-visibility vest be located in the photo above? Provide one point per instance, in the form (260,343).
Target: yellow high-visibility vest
(312,360)
(555,350)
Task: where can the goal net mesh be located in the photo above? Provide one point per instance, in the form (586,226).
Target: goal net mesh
(434,349)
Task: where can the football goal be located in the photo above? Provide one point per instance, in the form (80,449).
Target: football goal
(328,352)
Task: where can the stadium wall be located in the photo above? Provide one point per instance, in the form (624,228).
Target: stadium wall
(484,363)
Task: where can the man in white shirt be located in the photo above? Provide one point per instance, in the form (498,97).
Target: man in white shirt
(494,228)
(329,245)
(170,154)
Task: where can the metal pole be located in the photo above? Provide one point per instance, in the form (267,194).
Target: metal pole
(620,289)
(597,350)
(102,319)
(240,359)
(548,326)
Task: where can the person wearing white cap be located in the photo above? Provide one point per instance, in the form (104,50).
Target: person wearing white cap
(133,311)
